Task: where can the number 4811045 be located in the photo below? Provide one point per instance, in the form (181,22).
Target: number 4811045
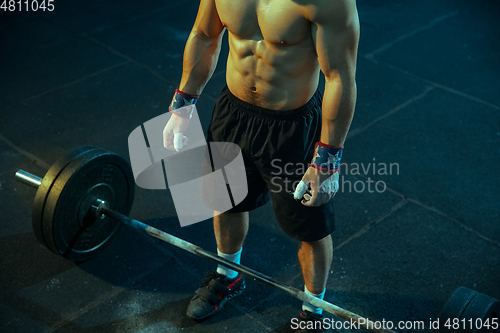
(27,5)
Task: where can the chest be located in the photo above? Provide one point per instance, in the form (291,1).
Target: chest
(276,21)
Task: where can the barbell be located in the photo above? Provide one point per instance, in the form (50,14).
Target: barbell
(85,197)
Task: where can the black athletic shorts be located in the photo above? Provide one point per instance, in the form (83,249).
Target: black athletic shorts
(277,147)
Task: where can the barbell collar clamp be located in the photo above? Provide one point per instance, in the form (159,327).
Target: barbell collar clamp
(97,208)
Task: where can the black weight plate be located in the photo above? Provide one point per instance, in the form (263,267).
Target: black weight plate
(479,309)
(68,228)
(455,306)
(44,188)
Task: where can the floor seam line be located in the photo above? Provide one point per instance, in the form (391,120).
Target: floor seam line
(368,226)
(25,153)
(462,94)
(158,244)
(437,211)
(387,46)
(269,297)
(110,49)
(136,18)
(140,64)
(266,327)
(356,131)
(438,85)
(74,82)
(451,219)
(387,188)
(181,264)
(132,60)
(110,295)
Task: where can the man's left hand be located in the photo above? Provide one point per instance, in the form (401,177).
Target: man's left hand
(323,186)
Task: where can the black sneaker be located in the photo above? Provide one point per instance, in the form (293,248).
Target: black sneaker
(311,322)
(214,291)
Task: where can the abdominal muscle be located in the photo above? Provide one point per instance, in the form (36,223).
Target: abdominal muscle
(270,75)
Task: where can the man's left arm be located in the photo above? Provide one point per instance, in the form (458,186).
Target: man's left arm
(335,29)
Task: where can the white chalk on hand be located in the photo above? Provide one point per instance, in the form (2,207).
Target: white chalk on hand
(300,190)
(178,137)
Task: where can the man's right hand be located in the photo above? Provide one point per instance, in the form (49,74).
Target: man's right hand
(173,138)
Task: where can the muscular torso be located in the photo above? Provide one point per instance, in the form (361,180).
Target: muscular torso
(272,61)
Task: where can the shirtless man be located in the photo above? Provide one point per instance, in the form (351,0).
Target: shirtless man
(272,109)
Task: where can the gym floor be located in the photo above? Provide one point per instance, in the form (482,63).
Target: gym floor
(91,71)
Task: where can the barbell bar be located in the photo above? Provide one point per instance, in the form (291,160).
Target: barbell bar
(85,197)
(99,209)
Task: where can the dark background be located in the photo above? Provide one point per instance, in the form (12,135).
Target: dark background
(90,72)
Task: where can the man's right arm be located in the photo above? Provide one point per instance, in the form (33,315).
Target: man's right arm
(199,62)
(202,49)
